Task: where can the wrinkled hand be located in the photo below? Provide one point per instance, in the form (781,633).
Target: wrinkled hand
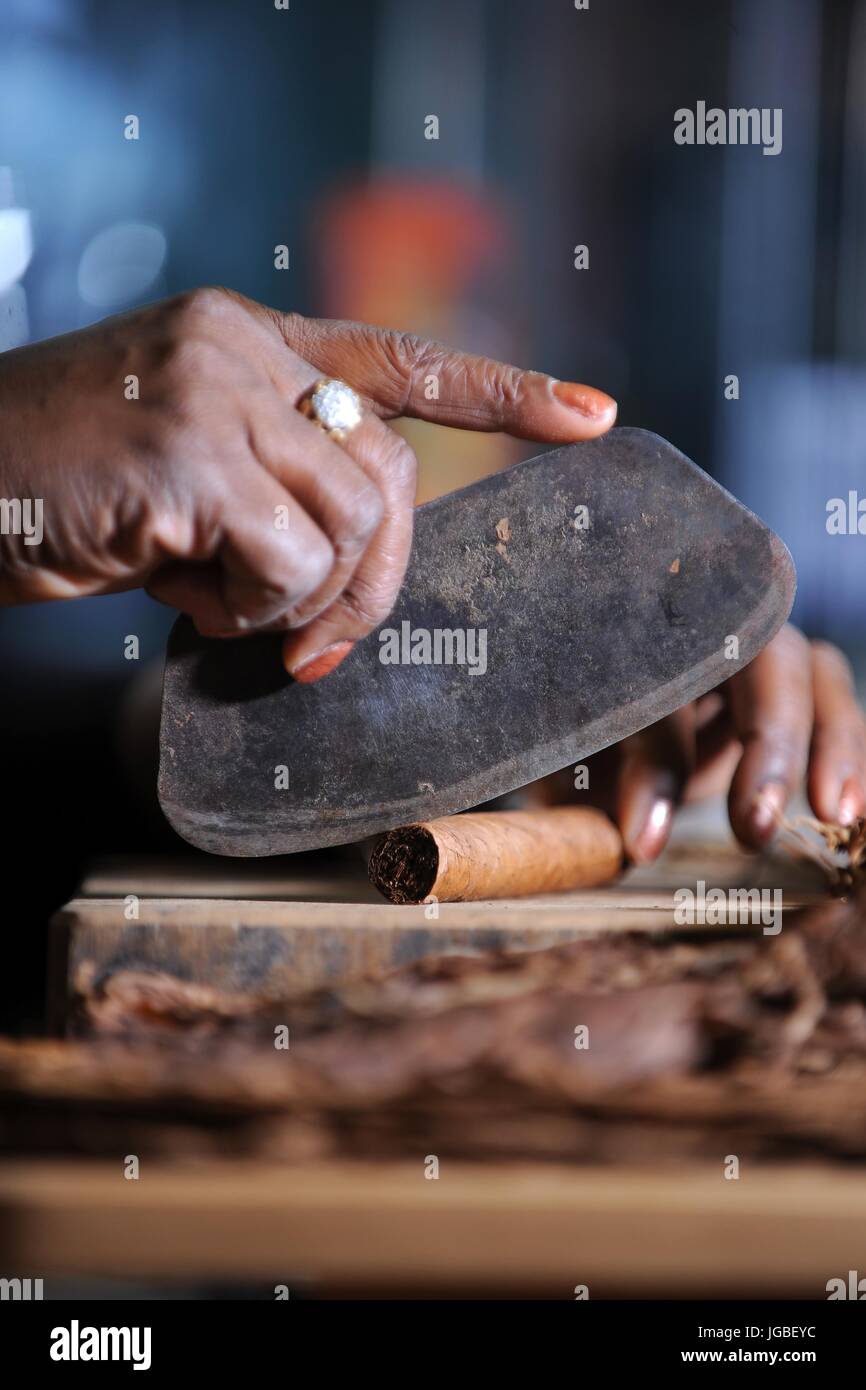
(789,717)
(179,490)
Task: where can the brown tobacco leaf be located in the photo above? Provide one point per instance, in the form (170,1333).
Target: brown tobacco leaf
(840,850)
(696,1045)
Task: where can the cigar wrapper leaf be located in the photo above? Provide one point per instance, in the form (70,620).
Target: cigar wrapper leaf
(497,854)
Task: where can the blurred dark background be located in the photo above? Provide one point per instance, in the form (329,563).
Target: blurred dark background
(307,127)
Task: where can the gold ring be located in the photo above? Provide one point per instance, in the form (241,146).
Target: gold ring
(333,406)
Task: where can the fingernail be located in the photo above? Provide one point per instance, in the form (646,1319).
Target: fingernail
(322,663)
(851,802)
(651,840)
(593,404)
(767,808)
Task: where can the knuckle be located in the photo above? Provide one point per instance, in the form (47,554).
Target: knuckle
(191,357)
(503,386)
(368,603)
(319,555)
(359,519)
(404,350)
(168,442)
(829,655)
(293,327)
(789,751)
(790,641)
(285,586)
(208,301)
(404,356)
(402,465)
(391,461)
(821,647)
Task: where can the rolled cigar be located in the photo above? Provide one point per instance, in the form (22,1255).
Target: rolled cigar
(497,854)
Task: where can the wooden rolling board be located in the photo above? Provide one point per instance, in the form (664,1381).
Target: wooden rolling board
(275,931)
(517,1230)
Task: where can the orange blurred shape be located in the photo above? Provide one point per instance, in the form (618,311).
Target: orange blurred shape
(416,255)
(398,247)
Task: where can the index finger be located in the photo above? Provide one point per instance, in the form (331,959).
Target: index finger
(403,374)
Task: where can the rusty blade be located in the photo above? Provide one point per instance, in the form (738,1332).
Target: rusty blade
(589,624)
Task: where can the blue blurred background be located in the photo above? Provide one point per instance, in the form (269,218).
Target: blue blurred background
(306,127)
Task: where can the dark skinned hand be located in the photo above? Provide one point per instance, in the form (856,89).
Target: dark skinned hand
(790,717)
(177,489)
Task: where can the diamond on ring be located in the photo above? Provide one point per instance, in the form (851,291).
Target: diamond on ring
(336,406)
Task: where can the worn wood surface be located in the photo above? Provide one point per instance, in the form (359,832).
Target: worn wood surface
(276,930)
(352,1227)
(520,1229)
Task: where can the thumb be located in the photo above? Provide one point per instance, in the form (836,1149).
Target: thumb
(402,374)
